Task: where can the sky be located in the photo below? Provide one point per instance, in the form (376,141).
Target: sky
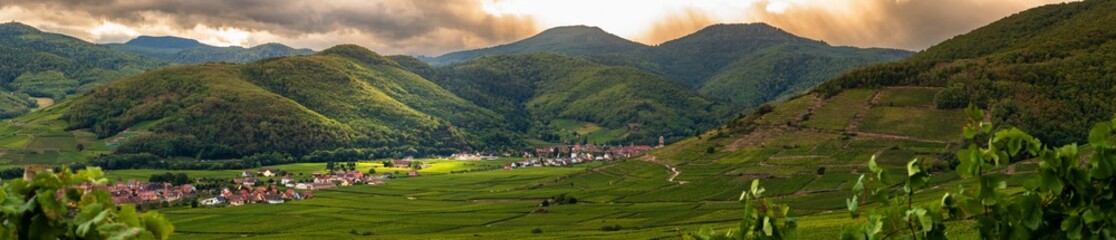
(435,27)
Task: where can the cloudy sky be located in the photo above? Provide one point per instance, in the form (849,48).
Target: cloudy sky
(434,27)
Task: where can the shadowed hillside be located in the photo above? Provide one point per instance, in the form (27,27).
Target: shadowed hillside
(344,96)
(1048,70)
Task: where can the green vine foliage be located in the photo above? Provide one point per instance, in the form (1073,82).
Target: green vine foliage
(1070,198)
(46,205)
(762,219)
(896,214)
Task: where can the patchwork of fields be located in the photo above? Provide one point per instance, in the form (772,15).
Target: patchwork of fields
(505,204)
(807,153)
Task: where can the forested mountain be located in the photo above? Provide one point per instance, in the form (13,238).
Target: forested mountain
(744,64)
(166,42)
(694,58)
(531,90)
(786,70)
(1049,70)
(569,41)
(595,88)
(189,51)
(345,96)
(349,97)
(51,65)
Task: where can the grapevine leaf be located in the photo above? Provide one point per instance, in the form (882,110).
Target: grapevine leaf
(1092,216)
(159,226)
(128,216)
(767,229)
(1100,134)
(974,113)
(1072,227)
(859,185)
(852,205)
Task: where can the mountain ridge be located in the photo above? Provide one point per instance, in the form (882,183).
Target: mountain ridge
(589,40)
(704,55)
(188,51)
(164,42)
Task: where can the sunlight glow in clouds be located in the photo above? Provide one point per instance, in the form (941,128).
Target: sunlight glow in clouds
(223,36)
(109,29)
(434,27)
(626,18)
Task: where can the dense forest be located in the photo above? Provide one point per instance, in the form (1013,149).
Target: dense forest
(1049,70)
(533,89)
(345,96)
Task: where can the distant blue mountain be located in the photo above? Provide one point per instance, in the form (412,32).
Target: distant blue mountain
(165,42)
(190,51)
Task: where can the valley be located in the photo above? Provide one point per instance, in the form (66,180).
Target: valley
(724,131)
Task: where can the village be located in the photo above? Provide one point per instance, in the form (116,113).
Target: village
(261,187)
(565,155)
(247,188)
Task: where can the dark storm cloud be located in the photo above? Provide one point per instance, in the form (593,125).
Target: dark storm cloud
(387,21)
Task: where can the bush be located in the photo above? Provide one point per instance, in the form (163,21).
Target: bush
(536,231)
(612,228)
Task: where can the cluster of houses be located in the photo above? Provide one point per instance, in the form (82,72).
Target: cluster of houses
(269,194)
(593,151)
(248,192)
(564,155)
(136,192)
(340,177)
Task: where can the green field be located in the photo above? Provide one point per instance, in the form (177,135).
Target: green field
(571,130)
(504,204)
(39,138)
(922,122)
(839,110)
(908,97)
